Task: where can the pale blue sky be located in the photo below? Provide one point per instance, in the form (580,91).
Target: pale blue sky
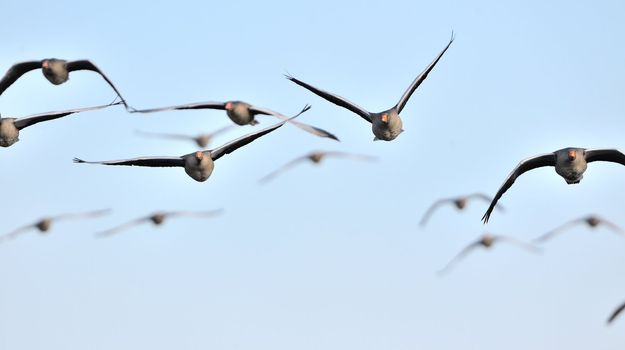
(327,257)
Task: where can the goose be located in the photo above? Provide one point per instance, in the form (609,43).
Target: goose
(241,113)
(158,218)
(570,163)
(487,240)
(201,140)
(592,221)
(198,165)
(316,158)
(386,125)
(459,202)
(10,127)
(44,224)
(55,70)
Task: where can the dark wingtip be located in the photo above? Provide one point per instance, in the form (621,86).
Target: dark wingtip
(486,217)
(78,160)
(453,37)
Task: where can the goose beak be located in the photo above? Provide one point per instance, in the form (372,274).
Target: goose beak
(572,155)
(228,106)
(199,155)
(45,64)
(384,117)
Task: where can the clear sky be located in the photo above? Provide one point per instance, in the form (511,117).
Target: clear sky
(328,257)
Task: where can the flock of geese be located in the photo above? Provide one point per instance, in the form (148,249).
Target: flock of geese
(570,163)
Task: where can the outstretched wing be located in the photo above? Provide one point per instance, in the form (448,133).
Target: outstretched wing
(463,253)
(309,128)
(614,227)
(11,235)
(198,214)
(141,161)
(616,312)
(165,135)
(548,159)
(38,118)
(16,71)
(88,65)
(432,208)
(244,140)
(605,154)
(353,156)
(286,166)
(336,99)
(88,214)
(121,227)
(197,105)
(419,79)
(523,245)
(557,230)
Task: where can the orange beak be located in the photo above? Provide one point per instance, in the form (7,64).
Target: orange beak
(572,155)
(45,64)
(228,106)
(199,155)
(384,117)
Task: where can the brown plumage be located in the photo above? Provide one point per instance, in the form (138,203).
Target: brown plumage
(459,202)
(158,218)
(385,125)
(241,113)
(570,163)
(10,127)
(44,224)
(201,140)
(198,165)
(55,70)
(592,221)
(315,158)
(487,241)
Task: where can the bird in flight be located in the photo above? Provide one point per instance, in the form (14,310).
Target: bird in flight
(570,163)
(487,241)
(158,218)
(55,70)
(202,140)
(44,224)
(386,125)
(198,165)
(315,158)
(241,113)
(592,221)
(10,127)
(459,202)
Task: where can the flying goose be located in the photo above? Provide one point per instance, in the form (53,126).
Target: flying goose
(386,125)
(486,241)
(241,113)
(10,127)
(459,202)
(202,140)
(592,221)
(570,163)
(315,158)
(55,70)
(44,224)
(198,165)
(157,219)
